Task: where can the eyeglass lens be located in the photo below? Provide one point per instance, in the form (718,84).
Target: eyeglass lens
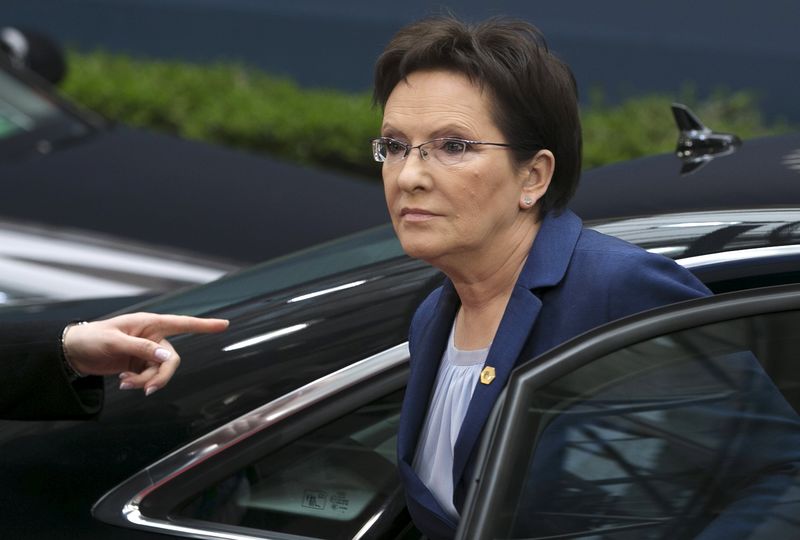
(446,151)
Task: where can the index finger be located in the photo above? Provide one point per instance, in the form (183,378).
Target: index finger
(168,325)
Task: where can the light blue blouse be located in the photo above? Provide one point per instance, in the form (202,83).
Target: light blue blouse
(458,374)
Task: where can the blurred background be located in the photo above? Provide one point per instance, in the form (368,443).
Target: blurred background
(221,133)
(736,61)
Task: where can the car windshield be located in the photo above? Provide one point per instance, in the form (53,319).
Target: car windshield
(23,110)
(347,253)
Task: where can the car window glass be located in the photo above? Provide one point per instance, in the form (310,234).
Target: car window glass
(22,110)
(354,251)
(681,436)
(334,482)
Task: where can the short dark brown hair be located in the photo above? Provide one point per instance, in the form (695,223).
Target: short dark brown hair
(535,95)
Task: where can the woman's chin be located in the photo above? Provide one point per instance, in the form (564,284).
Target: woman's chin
(418,249)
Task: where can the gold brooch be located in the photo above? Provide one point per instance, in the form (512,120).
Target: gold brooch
(487,375)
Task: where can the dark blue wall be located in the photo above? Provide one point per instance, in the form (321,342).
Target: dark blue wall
(624,46)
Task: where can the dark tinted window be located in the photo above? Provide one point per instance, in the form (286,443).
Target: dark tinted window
(339,481)
(24,111)
(675,437)
(337,256)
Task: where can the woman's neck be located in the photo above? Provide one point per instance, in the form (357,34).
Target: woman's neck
(484,285)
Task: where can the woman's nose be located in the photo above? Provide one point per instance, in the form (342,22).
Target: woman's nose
(413,171)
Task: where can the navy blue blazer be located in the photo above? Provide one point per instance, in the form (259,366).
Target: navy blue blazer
(573,280)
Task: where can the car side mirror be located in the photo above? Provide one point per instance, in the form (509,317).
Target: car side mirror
(33,51)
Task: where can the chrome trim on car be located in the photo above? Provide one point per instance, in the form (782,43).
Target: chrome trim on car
(131,492)
(739,255)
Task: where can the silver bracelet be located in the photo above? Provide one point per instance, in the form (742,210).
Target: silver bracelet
(72,373)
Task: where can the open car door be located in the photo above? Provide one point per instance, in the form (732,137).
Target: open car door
(681,422)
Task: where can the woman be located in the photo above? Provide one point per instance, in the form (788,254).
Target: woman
(481,147)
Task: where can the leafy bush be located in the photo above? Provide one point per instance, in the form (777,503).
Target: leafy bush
(229,104)
(239,106)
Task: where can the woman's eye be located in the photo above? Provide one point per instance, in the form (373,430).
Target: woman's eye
(394,147)
(454,146)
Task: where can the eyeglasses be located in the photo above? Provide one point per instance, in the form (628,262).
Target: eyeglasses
(446,150)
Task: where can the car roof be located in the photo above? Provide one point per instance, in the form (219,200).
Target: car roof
(47,263)
(198,197)
(762,173)
(171,192)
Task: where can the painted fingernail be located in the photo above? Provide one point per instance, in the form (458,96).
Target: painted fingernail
(124,375)
(163,354)
(150,389)
(125,386)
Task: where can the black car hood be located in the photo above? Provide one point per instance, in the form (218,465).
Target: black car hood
(187,195)
(654,185)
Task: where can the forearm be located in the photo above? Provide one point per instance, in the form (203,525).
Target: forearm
(35,384)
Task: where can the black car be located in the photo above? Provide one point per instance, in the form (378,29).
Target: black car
(284,426)
(63,166)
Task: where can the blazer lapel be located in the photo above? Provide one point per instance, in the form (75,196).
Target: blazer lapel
(430,345)
(520,315)
(545,267)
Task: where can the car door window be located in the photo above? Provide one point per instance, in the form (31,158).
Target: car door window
(335,482)
(316,462)
(687,434)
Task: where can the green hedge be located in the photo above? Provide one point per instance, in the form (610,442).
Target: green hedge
(239,106)
(229,104)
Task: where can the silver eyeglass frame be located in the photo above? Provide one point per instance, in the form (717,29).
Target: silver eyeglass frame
(424,154)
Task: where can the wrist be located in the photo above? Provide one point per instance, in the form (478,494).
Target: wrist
(73,373)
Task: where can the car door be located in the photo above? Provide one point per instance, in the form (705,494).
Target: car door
(316,463)
(677,423)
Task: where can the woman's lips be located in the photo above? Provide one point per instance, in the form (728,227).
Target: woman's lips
(416,214)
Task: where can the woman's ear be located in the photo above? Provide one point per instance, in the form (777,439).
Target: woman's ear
(538,173)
